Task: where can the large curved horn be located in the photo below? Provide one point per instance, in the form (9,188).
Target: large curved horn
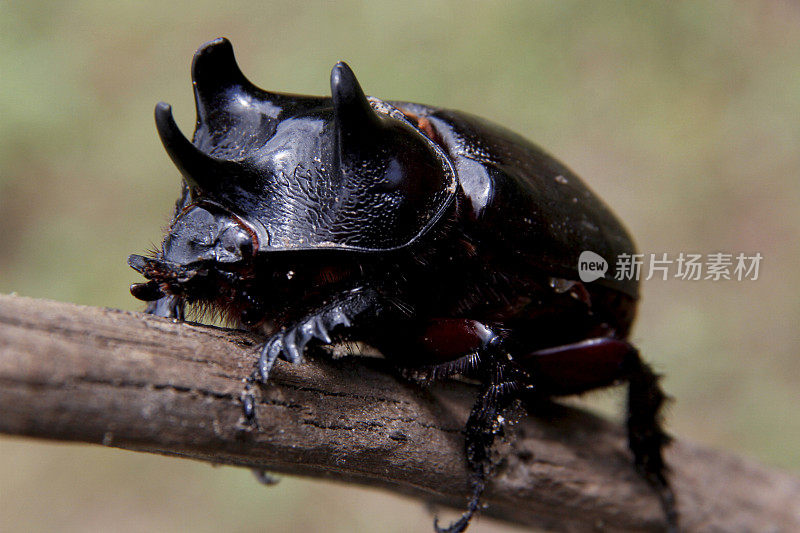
(214,69)
(352,111)
(198,168)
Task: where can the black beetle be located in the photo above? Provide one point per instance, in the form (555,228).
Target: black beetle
(448,243)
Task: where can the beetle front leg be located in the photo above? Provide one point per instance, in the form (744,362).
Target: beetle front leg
(360,307)
(355,308)
(168,307)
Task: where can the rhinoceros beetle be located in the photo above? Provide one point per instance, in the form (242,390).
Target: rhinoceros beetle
(446,242)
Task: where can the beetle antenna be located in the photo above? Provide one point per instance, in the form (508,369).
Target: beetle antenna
(198,168)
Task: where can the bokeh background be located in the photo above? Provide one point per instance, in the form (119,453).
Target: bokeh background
(685,117)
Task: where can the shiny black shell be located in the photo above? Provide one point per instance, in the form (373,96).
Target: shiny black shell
(524,203)
(448,243)
(308,172)
(345,173)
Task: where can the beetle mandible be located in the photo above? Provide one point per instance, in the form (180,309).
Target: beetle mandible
(448,243)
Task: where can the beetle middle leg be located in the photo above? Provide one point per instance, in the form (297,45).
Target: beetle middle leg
(471,348)
(486,421)
(555,371)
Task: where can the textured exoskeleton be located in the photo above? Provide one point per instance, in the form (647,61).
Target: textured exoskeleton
(448,243)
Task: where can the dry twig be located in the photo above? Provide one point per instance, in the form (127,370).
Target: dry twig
(147,384)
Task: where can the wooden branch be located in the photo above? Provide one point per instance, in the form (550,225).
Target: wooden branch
(143,383)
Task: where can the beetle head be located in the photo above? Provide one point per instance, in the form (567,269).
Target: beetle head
(344,172)
(203,243)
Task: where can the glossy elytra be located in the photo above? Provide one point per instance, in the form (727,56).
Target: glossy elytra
(446,242)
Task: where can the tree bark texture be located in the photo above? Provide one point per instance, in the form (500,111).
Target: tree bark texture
(148,384)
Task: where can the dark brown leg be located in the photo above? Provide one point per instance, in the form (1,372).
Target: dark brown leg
(569,369)
(485,423)
(646,437)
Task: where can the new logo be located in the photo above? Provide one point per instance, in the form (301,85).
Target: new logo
(591,266)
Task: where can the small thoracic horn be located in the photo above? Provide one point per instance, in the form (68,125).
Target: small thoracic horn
(198,168)
(353,114)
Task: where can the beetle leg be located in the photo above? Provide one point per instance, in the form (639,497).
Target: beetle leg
(168,307)
(268,354)
(444,347)
(593,363)
(481,430)
(464,365)
(357,307)
(484,424)
(646,437)
(290,343)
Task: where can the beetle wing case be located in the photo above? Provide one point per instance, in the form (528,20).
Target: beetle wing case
(523,203)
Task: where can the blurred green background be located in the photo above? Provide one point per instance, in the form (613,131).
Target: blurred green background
(683,117)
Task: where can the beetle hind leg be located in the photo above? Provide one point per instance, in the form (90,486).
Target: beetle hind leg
(646,437)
